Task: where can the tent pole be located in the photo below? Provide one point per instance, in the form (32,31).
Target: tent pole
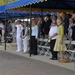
(42,12)
(5,27)
(30,27)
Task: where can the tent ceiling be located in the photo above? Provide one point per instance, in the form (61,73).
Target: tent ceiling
(56,4)
(21,3)
(53,4)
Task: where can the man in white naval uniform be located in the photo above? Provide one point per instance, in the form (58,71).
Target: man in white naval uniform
(19,28)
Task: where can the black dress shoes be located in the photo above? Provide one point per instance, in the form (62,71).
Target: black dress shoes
(53,58)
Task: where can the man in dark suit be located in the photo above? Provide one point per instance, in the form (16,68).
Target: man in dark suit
(73,27)
(40,24)
(47,24)
(65,22)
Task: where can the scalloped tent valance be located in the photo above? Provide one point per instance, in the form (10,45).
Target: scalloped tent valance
(38,5)
(21,3)
(60,4)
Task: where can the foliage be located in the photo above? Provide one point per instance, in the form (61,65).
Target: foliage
(2,2)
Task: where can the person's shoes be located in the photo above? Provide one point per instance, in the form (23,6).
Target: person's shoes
(25,52)
(61,59)
(53,58)
(18,50)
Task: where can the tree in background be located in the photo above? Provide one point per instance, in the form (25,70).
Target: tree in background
(2,2)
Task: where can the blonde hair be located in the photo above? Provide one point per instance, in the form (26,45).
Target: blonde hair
(34,22)
(59,18)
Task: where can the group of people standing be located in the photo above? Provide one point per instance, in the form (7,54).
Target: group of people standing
(57,43)
(55,28)
(60,27)
(21,33)
(22,36)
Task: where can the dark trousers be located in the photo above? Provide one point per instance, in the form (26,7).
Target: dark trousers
(33,45)
(1,32)
(52,43)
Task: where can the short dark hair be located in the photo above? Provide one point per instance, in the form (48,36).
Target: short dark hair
(48,15)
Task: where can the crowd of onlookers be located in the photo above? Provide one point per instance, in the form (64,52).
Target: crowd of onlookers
(54,27)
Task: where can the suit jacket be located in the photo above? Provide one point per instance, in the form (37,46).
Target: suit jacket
(73,31)
(66,25)
(42,27)
(47,26)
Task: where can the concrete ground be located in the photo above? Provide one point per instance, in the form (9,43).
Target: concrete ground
(18,63)
(12,64)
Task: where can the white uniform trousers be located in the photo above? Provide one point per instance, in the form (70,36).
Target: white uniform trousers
(19,42)
(25,43)
(2,38)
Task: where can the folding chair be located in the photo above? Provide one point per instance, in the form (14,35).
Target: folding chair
(72,52)
(40,42)
(42,46)
(47,48)
(68,45)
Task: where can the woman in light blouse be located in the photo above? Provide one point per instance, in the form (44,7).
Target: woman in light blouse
(34,29)
(34,36)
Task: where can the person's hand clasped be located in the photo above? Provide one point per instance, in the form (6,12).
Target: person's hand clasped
(50,37)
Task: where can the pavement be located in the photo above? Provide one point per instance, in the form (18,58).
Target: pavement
(18,63)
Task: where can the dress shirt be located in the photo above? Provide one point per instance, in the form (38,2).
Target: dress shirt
(52,31)
(35,31)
